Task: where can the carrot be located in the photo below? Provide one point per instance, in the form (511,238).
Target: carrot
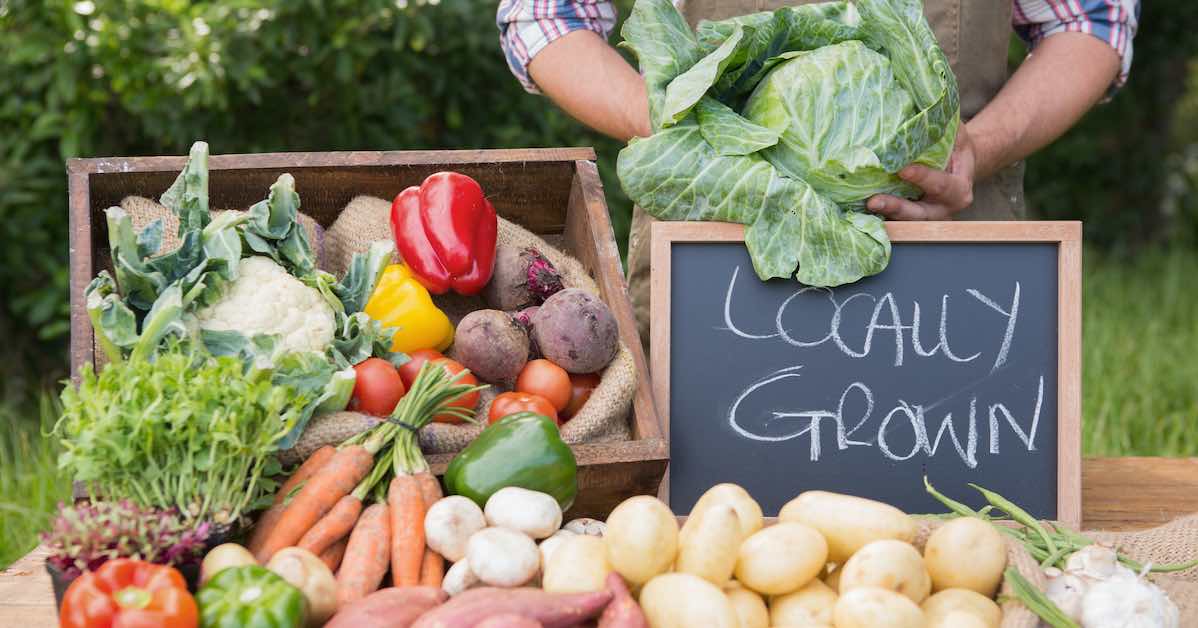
(334,526)
(266,522)
(407,529)
(432,568)
(366,556)
(320,493)
(333,555)
(313,464)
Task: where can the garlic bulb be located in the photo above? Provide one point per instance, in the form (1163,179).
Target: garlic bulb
(1098,592)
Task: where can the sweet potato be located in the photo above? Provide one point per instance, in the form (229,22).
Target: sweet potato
(388,608)
(510,620)
(552,610)
(576,330)
(492,345)
(622,611)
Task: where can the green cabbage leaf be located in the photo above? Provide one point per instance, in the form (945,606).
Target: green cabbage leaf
(787,122)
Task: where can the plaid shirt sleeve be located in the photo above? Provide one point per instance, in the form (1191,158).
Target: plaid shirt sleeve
(1112,21)
(527,26)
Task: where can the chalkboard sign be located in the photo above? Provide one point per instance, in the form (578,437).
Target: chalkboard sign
(959,361)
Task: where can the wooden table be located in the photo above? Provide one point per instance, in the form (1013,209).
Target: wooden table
(1117,494)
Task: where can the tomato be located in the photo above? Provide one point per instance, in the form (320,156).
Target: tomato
(581,387)
(411,368)
(466,401)
(513,402)
(378,387)
(544,378)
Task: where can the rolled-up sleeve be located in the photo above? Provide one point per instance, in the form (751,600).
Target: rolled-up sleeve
(1112,21)
(527,26)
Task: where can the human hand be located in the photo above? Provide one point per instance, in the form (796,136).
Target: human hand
(945,192)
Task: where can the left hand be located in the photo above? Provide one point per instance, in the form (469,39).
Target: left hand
(945,192)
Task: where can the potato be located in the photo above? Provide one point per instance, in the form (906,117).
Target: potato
(781,558)
(641,538)
(833,579)
(578,565)
(958,619)
(748,511)
(887,564)
(811,604)
(551,545)
(750,608)
(222,557)
(940,605)
(848,522)
(680,600)
(871,607)
(966,553)
(710,550)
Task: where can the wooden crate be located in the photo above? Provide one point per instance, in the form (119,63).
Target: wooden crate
(553,192)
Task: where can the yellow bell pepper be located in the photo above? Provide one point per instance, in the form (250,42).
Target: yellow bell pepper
(400,301)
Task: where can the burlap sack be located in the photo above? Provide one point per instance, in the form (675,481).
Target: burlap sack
(143,211)
(603,418)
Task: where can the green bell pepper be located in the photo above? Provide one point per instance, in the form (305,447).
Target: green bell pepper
(250,597)
(523,449)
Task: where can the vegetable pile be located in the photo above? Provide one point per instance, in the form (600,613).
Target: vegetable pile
(220,352)
(787,122)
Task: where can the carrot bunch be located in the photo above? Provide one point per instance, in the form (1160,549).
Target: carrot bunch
(323,507)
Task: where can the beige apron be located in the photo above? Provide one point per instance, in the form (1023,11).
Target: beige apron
(974,35)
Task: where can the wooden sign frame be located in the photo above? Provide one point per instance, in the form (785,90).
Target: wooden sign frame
(1066,234)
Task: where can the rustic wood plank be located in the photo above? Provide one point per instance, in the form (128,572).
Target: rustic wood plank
(1136,493)
(80,229)
(589,235)
(1069,373)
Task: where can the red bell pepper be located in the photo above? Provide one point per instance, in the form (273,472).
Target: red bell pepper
(445,231)
(128,592)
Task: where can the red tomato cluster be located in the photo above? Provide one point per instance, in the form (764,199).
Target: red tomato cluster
(542,387)
(545,388)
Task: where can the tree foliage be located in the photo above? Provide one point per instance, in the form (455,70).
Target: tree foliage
(137,77)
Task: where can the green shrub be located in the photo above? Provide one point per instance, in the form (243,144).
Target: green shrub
(107,77)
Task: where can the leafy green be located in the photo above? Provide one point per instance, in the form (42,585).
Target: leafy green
(187,430)
(153,299)
(787,122)
(363,275)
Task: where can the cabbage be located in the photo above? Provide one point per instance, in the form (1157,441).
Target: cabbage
(786,122)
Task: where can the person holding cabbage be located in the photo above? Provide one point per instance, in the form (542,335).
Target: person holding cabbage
(814,121)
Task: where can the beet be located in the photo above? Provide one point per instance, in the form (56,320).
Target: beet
(524,317)
(522,277)
(576,330)
(492,344)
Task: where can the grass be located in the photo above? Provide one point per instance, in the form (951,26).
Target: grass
(1140,342)
(1140,387)
(30,483)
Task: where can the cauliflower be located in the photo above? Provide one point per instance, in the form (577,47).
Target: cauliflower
(266,299)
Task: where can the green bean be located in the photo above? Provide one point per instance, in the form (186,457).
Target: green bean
(1037,602)
(1018,514)
(951,504)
